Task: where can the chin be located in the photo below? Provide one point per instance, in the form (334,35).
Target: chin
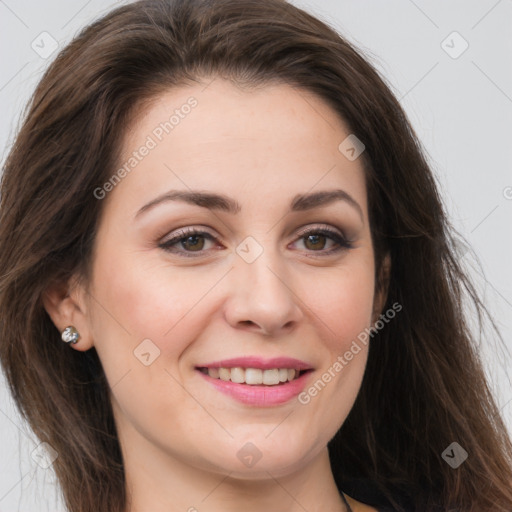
(256,457)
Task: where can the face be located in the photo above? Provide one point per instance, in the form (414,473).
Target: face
(180,284)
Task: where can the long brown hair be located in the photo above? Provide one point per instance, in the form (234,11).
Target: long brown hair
(424,385)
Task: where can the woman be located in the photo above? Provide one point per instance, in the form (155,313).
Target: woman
(228,279)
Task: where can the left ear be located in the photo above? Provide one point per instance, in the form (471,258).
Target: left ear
(65,304)
(381,288)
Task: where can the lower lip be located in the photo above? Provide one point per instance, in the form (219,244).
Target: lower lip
(260,396)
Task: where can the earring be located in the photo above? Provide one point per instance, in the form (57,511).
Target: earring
(70,335)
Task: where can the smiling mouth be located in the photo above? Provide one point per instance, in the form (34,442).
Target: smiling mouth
(254,376)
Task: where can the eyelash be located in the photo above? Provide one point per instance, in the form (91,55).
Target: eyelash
(183,234)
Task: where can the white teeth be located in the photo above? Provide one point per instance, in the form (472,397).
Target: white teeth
(213,372)
(271,377)
(254,376)
(238,375)
(224,374)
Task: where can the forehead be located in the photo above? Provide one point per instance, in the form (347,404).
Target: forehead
(275,140)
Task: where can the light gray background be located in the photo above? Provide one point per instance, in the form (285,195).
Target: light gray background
(460,107)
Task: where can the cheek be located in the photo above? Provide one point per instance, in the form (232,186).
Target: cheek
(145,314)
(142,297)
(341,301)
(341,304)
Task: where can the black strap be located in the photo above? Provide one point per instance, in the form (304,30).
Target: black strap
(346,503)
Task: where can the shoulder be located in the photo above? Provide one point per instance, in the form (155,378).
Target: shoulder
(357,506)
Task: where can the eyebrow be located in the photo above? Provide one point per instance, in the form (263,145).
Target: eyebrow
(212,201)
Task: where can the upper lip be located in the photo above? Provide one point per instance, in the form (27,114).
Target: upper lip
(259,362)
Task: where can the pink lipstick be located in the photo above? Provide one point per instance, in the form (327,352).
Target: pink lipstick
(256,381)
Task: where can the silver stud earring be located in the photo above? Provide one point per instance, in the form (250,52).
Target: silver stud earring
(70,335)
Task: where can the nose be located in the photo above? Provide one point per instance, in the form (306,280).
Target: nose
(261,297)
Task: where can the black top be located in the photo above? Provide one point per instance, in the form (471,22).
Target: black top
(365,491)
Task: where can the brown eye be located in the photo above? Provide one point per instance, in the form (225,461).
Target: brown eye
(315,242)
(187,242)
(191,243)
(318,240)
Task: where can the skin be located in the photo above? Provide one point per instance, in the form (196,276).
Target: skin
(180,436)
